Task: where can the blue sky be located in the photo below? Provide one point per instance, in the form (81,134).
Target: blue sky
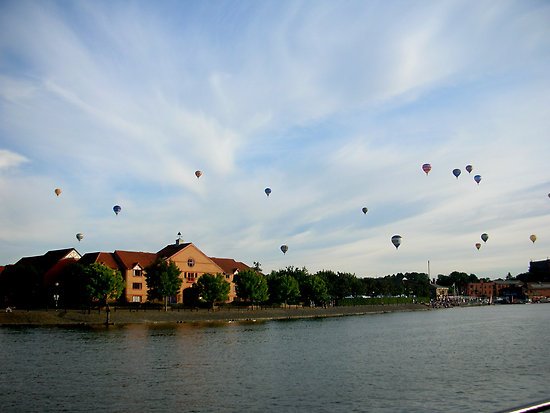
(333,105)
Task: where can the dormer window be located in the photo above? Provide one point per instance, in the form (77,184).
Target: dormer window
(190,262)
(138,272)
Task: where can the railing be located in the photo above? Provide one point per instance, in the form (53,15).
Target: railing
(542,406)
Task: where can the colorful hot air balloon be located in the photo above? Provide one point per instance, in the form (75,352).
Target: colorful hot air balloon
(79,236)
(396,241)
(477,178)
(198,174)
(469,168)
(456,172)
(117,209)
(365,210)
(57,191)
(427,168)
(484,237)
(533,238)
(267,191)
(284,248)
(478,245)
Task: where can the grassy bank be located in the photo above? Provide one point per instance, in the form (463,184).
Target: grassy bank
(126,316)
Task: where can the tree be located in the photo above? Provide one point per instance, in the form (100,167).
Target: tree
(163,280)
(314,290)
(251,286)
(283,289)
(212,288)
(22,285)
(73,285)
(103,284)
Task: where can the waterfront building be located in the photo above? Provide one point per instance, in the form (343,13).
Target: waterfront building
(482,289)
(131,265)
(193,263)
(190,260)
(538,291)
(438,292)
(541,270)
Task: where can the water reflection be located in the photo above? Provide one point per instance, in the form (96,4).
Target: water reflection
(478,358)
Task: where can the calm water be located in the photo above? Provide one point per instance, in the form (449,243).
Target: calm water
(481,359)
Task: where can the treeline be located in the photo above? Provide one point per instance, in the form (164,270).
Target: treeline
(80,285)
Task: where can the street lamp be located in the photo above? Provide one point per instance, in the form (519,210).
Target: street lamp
(56,295)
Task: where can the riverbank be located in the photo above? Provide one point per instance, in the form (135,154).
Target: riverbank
(126,316)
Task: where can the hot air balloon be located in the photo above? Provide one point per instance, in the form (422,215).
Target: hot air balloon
(427,168)
(79,236)
(477,178)
(284,248)
(484,237)
(456,172)
(533,238)
(478,245)
(117,209)
(365,210)
(57,191)
(469,168)
(267,191)
(198,174)
(396,241)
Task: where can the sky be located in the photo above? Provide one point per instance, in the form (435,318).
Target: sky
(335,106)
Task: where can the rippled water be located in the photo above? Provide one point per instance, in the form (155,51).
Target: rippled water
(481,359)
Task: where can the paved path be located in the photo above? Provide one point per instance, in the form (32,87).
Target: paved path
(125,316)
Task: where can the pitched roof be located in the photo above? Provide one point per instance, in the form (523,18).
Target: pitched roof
(48,260)
(172,249)
(538,286)
(105,258)
(229,265)
(129,259)
(508,282)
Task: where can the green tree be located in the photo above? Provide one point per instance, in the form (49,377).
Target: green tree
(330,278)
(163,280)
(347,284)
(102,284)
(212,288)
(283,289)
(314,290)
(301,275)
(251,286)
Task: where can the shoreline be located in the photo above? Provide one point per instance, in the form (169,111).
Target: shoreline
(125,316)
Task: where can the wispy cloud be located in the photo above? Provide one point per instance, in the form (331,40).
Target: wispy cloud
(10,159)
(333,106)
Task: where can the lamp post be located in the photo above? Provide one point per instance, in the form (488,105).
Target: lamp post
(56,295)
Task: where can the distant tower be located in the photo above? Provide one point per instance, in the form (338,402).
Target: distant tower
(180,239)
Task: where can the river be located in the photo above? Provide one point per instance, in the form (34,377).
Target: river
(477,359)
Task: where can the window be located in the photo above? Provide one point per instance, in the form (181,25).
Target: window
(191,276)
(138,273)
(190,262)
(136,299)
(136,286)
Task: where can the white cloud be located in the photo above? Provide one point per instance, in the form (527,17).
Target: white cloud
(335,107)
(10,159)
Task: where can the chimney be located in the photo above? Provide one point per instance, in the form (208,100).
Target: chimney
(179,240)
